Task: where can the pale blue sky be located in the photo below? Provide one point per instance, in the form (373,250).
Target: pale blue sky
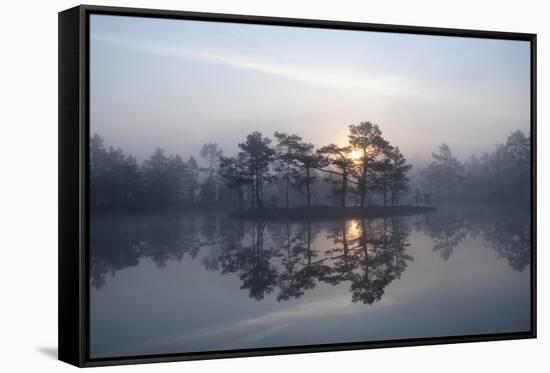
(178,84)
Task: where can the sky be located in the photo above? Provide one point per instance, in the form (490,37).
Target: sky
(178,84)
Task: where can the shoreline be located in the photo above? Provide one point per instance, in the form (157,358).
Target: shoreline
(319,213)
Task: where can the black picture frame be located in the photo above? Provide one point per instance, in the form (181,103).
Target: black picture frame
(74,188)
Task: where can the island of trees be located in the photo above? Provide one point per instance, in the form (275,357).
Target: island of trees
(287,176)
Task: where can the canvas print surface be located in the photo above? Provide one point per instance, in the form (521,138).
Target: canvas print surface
(258,186)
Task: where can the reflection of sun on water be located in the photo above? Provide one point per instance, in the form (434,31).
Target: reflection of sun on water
(353,229)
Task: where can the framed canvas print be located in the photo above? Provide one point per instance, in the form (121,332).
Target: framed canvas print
(238,185)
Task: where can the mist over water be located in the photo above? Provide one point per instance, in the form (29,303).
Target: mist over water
(204,282)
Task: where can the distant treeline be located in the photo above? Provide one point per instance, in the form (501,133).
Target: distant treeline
(290,172)
(502,175)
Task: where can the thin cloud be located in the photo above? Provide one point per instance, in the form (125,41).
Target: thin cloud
(390,85)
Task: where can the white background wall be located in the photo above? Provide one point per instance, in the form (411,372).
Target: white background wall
(28,184)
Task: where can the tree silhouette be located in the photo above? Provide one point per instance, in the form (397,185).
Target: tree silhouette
(258,155)
(399,169)
(381,176)
(417,196)
(193,178)
(343,164)
(427,198)
(236,175)
(309,161)
(287,147)
(444,173)
(114,177)
(156,171)
(502,175)
(367,139)
(211,152)
(178,179)
(515,158)
(366,171)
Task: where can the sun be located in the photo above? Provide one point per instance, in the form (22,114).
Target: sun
(355,154)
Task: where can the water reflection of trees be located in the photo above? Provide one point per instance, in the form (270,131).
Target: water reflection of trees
(369,255)
(446,231)
(507,231)
(285,259)
(118,242)
(301,265)
(288,260)
(511,238)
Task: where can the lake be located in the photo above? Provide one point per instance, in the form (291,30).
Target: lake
(201,281)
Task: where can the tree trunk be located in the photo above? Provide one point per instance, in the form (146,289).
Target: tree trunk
(363,186)
(240,198)
(363,190)
(308,243)
(385,192)
(258,185)
(344,187)
(287,183)
(307,187)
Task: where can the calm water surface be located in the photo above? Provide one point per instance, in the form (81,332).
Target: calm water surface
(204,282)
